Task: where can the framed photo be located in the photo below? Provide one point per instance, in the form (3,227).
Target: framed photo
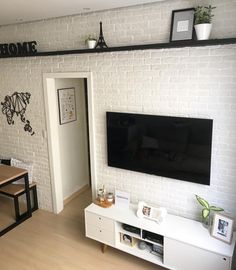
(182,24)
(122,199)
(150,212)
(222,228)
(66,104)
(128,240)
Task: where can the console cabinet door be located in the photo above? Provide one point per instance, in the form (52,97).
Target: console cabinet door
(181,256)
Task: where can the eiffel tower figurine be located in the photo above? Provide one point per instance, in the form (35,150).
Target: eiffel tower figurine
(101,42)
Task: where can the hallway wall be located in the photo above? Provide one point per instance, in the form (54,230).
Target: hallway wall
(73,142)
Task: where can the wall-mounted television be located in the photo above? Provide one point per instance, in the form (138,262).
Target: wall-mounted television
(173,147)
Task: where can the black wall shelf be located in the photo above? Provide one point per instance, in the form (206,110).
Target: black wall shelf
(169,45)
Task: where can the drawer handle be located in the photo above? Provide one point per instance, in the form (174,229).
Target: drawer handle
(99,218)
(100,231)
(224,259)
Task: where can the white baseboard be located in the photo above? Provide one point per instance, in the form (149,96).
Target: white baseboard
(75,194)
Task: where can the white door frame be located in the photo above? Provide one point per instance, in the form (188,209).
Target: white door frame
(50,100)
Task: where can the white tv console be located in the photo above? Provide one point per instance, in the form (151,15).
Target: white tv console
(187,245)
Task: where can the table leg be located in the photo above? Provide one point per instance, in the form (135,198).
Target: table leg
(27,193)
(17,208)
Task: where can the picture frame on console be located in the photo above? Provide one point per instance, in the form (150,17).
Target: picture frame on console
(128,240)
(222,228)
(153,213)
(182,23)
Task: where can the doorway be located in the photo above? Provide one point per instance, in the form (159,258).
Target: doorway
(66,142)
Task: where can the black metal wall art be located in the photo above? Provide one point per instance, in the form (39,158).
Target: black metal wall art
(16,104)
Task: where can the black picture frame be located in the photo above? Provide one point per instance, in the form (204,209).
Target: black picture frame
(182,22)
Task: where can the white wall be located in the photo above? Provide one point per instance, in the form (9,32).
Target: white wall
(192,82)
(73,142)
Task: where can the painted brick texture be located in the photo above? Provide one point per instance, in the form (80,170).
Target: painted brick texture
(190,82)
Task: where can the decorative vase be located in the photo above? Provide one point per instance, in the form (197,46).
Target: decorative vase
(91,43)
(207,222)
(203,30)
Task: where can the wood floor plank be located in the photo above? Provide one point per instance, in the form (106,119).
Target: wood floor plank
(48,241)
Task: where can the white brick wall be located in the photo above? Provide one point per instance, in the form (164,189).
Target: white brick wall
(194,82)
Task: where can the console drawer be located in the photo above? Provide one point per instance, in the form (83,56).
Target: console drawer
(99,234)
(99,221)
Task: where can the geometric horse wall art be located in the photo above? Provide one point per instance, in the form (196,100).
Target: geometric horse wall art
(16,105)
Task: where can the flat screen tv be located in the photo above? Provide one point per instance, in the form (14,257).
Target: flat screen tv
(174,147)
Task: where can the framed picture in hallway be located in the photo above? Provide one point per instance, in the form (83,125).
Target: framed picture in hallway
(67,105)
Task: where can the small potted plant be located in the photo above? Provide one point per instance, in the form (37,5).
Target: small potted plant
(91,42)
(206,211)
(203,19)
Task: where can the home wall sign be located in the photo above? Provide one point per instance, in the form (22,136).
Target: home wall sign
(18,49)
(16,104)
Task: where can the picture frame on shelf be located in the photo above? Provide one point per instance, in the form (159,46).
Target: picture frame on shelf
(182,22)
(222,228)
(154,213)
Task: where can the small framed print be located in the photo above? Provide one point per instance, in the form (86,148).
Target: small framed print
(182,24)
(66,104)
(128,240)
(222,228)
(122,199)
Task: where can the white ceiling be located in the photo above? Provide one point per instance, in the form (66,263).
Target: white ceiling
(17,11)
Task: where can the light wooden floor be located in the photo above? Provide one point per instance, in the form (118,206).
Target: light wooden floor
(7,214)
(48,241)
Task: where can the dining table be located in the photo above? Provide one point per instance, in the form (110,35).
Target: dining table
(11,174)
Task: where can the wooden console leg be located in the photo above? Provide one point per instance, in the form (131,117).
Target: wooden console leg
(103,248)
